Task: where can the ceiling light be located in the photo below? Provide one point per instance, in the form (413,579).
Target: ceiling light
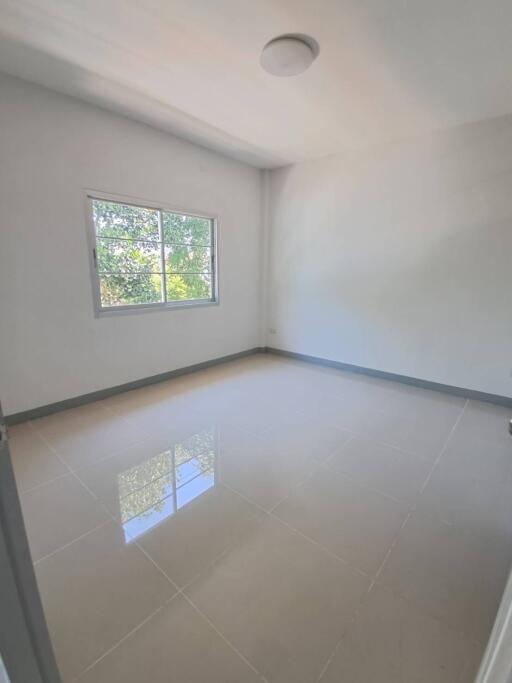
(289,55)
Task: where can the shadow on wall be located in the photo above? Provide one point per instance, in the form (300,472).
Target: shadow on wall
(398,258)
(435,73)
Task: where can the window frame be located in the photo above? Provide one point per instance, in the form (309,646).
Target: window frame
(99,309)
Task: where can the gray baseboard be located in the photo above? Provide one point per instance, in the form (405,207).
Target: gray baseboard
(404,379)
(41,411)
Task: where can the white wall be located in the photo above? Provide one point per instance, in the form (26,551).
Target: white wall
(51,345)
(400,258)
(397,259)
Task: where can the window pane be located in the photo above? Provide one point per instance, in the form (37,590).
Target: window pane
(113,219)
(122,289)
(127,256)
(138,478)
(182,287)
(182,229)
(187,259)
(146,495)
(199,447)
(194,488)
(187,471)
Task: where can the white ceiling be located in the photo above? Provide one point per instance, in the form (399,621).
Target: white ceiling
(387,69)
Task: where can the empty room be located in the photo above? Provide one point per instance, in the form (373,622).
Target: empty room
(255,341)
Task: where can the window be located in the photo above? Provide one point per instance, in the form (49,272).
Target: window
(151,257)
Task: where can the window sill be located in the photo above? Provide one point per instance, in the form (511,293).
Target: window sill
(153,308)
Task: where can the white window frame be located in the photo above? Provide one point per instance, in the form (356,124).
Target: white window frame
(99,309)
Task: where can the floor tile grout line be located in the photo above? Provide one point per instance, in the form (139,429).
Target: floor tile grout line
(91,493)
(353,436)
(125,637)
(40,433)
(112,454)
(388,553)
(414,507)
(76,475)
(310,540)
(395,539)
(210,565)
(379,442)
(392,546)
(175,586)
(157,566)
(445,446)
(445,624)
(180,591)
(244,429)
(327,664)
(315,469)
(324,465)
(70,543)
(118,451)
(411,512)
(438,621)
(219,633)
(351,622)
(102,505)
(268,512)
(149,558)
(364,487)
(133,539)
(71,472)
(96,498)
(245,498)
(322,547)
(42,484)
(374,581)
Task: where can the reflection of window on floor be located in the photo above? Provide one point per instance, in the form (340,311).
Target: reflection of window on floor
(158,487)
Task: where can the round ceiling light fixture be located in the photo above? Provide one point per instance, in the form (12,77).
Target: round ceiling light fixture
(289,55)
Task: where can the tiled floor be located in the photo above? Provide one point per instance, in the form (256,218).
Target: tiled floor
(268,520)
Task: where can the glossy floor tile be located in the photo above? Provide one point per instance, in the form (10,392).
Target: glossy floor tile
(87,434)
(259,471)
(33,461)
(96,591)
(283,603)
(176,644)
(391,640)
(455,575)
(381,467)
(356,524)
(468,502)
(414,434)
(269,520)
(58,512)
(186,543)
(139,475)
(479,458)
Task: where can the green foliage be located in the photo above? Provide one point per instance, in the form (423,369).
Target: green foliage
(128,254)
(182,229)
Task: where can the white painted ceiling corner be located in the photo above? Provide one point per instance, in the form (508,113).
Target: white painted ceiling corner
(386,70)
